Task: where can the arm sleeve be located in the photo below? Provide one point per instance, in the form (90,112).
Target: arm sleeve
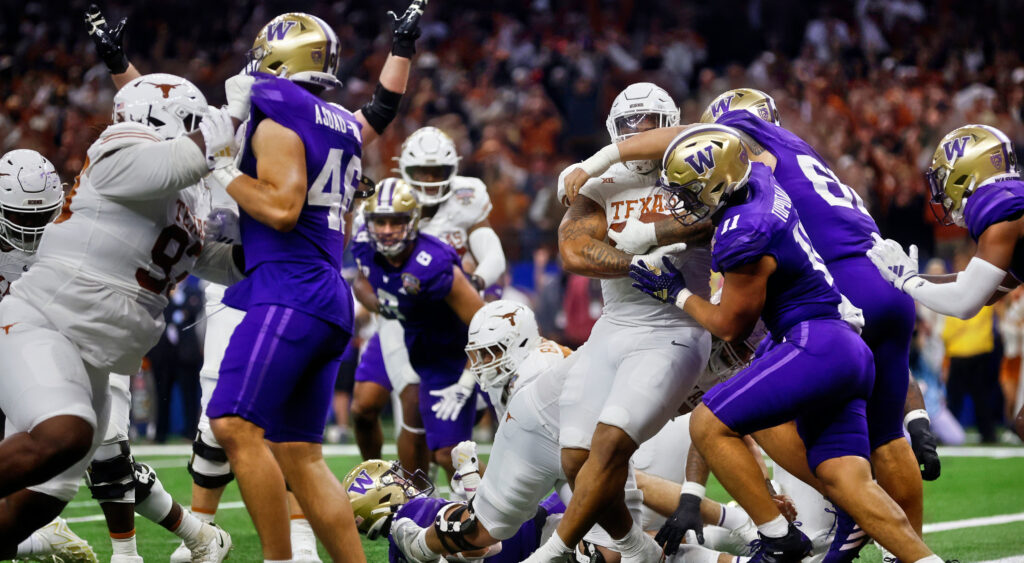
(490,258)
(963,298)
(738,247)
(148,170)
(217,263)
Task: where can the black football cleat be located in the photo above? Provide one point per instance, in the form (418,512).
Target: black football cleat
(792,547)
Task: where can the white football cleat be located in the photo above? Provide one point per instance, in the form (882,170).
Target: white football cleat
(64,544)
(121,558)
(182,555)
(212,546)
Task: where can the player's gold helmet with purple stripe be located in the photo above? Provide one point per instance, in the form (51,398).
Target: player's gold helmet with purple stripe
(299,47)
(755,101)
(377,489)
(701,166)
(392,216)
(967,158)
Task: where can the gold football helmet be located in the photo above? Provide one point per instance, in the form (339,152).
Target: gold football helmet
(701,166)
(755,101)
(392,216)
(299,47)
(377,489)
(966,159)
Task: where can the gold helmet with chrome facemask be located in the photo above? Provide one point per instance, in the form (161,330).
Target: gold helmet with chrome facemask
(377,489)
(966,159)
(755,101)
(393,203)
(702,166)
(299,47)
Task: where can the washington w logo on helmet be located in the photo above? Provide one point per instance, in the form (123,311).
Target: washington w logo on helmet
(362,483)
(701,160)
(956,146)
(721,106)
(277,30)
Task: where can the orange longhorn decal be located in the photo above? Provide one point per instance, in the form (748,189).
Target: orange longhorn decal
(165,88)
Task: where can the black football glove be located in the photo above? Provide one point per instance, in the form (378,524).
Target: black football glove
(406,29)
(685,518)
(109,41)
(923,442)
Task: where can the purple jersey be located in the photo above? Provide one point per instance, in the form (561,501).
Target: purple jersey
(995,203)
(766,223)
(832,213)
(414,293)
(423,511)
(301,268)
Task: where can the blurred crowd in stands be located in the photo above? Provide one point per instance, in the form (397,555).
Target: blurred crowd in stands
(523,86)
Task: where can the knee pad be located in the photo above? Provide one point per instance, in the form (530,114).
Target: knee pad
(209,465)
(152,502)
(112,479)
(451,529)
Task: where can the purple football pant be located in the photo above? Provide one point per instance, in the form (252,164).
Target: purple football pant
(278,372)
(820,374)
(889,318)
(371,365)
(444,433)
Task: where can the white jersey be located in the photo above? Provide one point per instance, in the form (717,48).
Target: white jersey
(623,194)
(540,364)
(131,228)
(468,205)
(13,263)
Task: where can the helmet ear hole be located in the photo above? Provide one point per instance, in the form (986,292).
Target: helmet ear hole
(960,181)
(718,187)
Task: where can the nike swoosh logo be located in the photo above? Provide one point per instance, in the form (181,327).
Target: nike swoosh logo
(220,540)
(674,343)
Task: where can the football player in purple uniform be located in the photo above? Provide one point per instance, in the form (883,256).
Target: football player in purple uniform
(772,271)
(975,178)
(418,280)
(299,169)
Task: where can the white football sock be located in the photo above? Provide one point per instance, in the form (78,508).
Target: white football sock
(32,545)
(551,549)
(775,528)
(189,527)
(204,517)
(632,544)
(125,546)
(930,559)
(732,517)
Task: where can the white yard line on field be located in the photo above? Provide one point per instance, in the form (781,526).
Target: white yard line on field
(974,522)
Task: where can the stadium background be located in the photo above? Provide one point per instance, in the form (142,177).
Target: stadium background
(524,87)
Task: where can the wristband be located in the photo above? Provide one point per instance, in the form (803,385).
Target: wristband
(914,415)
(695,489)
(225,174)
(601,160)
(682,296)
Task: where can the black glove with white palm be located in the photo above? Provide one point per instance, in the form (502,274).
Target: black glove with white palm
(109,41)
(897,267)
(655,275)
(406,29)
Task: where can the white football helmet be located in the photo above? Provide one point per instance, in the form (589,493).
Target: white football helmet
(428,163)
(169,104)
(501,335)
(30,197)
(638,108)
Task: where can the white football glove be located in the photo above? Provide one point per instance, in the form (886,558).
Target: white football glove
(467,470)
(652,260)
(238,90)
(218,136)
(896,266)
(451,399)
(636,236)
(851,314)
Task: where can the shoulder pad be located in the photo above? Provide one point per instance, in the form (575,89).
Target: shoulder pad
(470,197)
(121,135)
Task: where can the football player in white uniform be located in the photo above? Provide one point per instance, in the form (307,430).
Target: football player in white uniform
(208,465)
(642,359)
(130,228)
(455,210)
(31,197)
(523,374)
